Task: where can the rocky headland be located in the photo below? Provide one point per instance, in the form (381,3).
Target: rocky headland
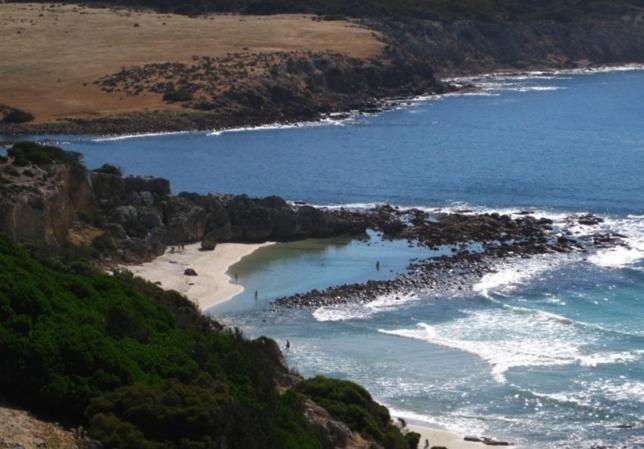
(409,55)
(48,198)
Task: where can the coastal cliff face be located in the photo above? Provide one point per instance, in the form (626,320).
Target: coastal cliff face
(469,47)
(40,203)
(129,219)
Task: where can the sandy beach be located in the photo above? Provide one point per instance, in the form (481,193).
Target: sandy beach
(212,285)
(442,438)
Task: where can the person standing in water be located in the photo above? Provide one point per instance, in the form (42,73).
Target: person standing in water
(256,295)
(288,344)
(378,265)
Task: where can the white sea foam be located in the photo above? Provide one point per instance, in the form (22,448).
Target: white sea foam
(546,74)
(137,136)
(459,423)
(589,393)
(344,312)
(597,359)
(632,227)
(517,337)
(515,273)
(329,121)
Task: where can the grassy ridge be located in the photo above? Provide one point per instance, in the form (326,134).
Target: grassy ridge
(141,368)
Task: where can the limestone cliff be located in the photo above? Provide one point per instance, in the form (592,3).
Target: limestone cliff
(48,198)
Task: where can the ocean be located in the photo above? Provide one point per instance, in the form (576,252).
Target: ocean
(547,351)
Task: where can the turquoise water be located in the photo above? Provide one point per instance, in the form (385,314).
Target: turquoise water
(547,351)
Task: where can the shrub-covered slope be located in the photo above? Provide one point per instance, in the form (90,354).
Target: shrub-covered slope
(445,10)
(142,368)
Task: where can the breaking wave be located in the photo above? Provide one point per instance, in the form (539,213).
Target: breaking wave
(510,337)
(345,312)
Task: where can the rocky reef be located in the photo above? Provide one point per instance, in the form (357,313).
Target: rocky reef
(462,248)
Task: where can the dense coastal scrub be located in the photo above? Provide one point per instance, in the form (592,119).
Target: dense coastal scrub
(14,115)
(352,404)
(444,10)
(141,367)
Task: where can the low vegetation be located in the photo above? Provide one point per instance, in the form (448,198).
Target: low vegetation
(15,115)
(353,405)
(177,95)
(444,10)
(141,368)
(109,169)
(26,153)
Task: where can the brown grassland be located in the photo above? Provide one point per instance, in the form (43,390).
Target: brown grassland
(51,54)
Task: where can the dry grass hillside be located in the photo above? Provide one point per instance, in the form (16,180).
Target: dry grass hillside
(20,430)
(51,54)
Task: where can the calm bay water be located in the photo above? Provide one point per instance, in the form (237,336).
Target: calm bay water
(548,351)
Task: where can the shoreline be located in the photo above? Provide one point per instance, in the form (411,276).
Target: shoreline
(458,84)
(446,438)
(212,285)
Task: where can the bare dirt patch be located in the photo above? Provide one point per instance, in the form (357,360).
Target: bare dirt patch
(50,55)
(19,429)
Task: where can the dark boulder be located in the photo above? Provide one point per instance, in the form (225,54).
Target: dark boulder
(209,242)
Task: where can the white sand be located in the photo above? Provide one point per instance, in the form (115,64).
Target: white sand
(443,438)
(212,286)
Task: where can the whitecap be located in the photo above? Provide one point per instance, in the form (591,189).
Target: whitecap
(327,121)
(344,312)
(510,275)
(137,136)
(589,393)
(512,337)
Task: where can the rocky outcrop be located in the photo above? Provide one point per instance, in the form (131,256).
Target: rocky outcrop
(339,433)
(470,47)
(39,203)
(136,218)
(21,430)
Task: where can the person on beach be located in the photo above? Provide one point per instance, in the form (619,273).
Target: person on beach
(426,444)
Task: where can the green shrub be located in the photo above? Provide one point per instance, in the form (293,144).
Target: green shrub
(177,95)
(139,366)
(26,153)
(18,116)
(109,169)
(353,405)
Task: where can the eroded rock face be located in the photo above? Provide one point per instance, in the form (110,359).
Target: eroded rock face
(136,218)
(39,204)
(341,436)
